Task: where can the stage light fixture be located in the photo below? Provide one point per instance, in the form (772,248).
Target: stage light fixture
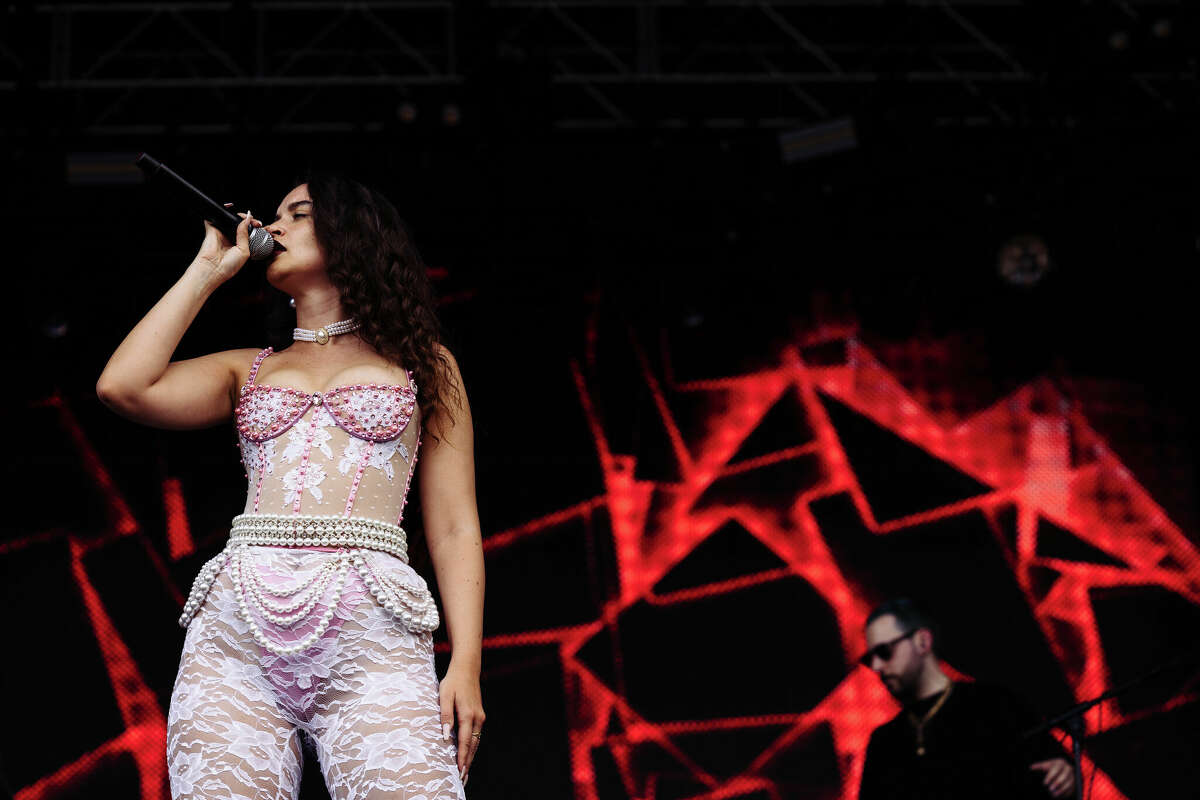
(55,326)
(1023,260)
(406,113)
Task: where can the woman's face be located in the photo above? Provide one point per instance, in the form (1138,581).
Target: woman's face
(297,254)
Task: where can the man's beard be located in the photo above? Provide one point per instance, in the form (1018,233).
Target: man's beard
(903,688)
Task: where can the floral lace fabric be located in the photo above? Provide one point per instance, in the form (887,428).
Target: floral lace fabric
(365,693)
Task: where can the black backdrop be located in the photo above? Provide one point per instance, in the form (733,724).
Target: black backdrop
(591,278)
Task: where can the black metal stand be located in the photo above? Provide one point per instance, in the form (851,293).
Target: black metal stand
(1075,726)
(1072,718)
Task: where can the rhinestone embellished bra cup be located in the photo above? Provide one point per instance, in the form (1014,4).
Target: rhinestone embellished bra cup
(325,469)
(377,412)
(367,410)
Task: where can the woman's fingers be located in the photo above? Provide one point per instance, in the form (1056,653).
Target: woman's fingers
(245,215)
(224,257)
(447,703)
(243,233)
(462,706)
(470,732)
(476,735)
(219,237)
(464,745)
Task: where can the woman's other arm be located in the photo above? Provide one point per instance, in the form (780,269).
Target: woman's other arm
(451,520)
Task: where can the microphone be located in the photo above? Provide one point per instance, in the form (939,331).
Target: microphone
(261,244)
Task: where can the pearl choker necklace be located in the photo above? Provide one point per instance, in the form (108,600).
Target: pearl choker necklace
(323,335)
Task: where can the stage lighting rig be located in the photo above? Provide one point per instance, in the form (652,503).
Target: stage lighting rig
(1024,260)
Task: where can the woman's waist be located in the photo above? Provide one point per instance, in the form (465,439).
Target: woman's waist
(329,532)
(371,497)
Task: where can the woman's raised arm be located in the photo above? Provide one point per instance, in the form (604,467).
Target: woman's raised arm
(141,383)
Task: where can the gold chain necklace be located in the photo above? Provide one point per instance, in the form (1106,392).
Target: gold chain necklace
(919,723)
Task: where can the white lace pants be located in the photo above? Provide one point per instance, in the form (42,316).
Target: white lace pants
(366,693)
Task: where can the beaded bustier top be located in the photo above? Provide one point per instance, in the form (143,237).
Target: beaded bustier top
(348,451)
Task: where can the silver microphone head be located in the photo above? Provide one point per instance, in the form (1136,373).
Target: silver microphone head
(261,244)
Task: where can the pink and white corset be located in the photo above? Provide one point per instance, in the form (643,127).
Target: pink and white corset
(328,470)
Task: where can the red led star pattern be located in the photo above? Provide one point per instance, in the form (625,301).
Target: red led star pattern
(144,737)
(1033,451)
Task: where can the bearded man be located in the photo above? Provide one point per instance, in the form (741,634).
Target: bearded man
(952,740)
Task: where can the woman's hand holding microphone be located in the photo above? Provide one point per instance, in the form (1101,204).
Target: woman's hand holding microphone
(220,259)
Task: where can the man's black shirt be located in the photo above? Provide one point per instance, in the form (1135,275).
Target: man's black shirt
(973,749)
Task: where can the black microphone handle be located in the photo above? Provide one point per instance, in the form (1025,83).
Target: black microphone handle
(261,243)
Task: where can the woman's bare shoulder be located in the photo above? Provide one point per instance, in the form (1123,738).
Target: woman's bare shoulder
(238,361)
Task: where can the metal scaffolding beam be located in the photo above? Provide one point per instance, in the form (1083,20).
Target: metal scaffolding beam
(296,66)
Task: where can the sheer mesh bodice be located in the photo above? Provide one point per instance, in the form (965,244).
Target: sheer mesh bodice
(347,451)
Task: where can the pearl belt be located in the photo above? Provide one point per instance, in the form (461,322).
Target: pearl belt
(311,530)
(410,605)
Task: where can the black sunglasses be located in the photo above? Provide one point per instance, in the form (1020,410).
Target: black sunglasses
(884,649)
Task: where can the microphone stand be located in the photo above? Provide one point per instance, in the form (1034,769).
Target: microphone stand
(1072,718)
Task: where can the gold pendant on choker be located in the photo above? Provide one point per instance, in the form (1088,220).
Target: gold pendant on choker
(322,336)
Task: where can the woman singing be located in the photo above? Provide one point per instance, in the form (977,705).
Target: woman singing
(310,620)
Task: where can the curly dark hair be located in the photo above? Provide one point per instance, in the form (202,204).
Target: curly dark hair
(383,282)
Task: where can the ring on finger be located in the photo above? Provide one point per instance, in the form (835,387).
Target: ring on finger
(477,734)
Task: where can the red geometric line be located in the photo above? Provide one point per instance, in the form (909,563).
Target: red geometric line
(729,723)
(606,459)
(505,538)
(559,636)
(132,740)
(179,534)
(740,786)
(137,704)
(982,502)
(637,730)
(456,297)
(645,553)
(767,459)
(120,518)
(682,456)
(718,587)
(33,539)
